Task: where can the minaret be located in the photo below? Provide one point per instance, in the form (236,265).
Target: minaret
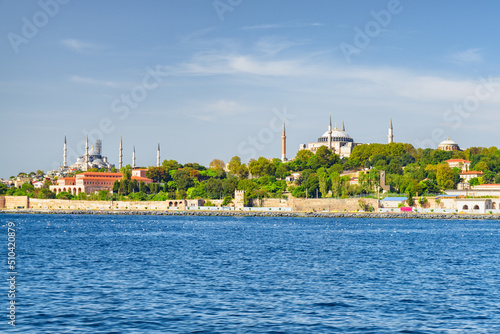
(391,133)
(120,156)
(158,156)
(283,144)
(330,132)
(133,158)
(87,152)
(343,127)
(65,155)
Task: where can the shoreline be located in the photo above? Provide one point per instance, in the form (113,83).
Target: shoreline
(397,215)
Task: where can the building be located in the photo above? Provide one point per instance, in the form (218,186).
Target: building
(90,182)
(392,202)
(476,205)
(448,145)
(459,163)
(467,176)
(337,140)
(91,159)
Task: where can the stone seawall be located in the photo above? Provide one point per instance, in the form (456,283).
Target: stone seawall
(399,215)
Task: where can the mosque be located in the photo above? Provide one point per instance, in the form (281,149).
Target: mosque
(94,159)
(91,159)
(337,140)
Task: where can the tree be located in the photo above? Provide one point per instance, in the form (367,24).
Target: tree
(444,176)
(217,164)
(183,179)
(3,188)
(157,174)
(170,165)
(233,165)
(213,188)
(323,181)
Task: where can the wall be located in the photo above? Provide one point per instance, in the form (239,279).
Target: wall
(331,204)
(13,202)
(2,202)
(60,204)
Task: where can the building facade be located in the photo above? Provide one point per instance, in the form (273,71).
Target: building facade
(91,182)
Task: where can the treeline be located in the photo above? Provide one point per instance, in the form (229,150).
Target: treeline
(409,171)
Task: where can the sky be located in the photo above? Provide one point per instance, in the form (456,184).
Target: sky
(215,79)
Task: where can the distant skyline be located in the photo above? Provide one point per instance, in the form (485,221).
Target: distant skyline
(213,79)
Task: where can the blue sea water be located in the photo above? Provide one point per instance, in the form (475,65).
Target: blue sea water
(155,274)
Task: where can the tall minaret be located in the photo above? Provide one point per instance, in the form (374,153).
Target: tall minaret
(343,127)
(65,155)
(120,156)
(330,132)
(283,144)
(391,133)
(158,156)
(133,158)
(87,152)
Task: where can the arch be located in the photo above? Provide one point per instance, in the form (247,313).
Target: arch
(170,203)
(64,189)
(466,207)
(494,205)
(79,190)
(175,203)
(476,207)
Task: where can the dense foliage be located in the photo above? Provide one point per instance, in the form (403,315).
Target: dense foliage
(321,174)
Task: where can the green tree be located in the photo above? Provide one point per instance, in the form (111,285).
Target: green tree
(233,165)
(323,181)
(183,179)
(158,174)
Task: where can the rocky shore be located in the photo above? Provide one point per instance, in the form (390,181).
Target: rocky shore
(399,215)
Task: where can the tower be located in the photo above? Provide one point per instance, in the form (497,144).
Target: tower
(98,146)
(120,159)
(65,154)
(86,153)
(133,157)
(330,132)
(283,144)
(343,126)
(158,156)
(391,133)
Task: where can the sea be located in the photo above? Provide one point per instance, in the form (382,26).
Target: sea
(195,274)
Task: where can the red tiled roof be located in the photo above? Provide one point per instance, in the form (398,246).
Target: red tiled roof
(471,172)
(458,160)
(103,174)
(138,178)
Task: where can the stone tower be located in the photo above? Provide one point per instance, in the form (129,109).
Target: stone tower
(239,199)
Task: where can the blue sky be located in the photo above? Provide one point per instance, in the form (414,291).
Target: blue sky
(212,79)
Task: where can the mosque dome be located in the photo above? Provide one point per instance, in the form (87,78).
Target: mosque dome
(337,136)
(448,145)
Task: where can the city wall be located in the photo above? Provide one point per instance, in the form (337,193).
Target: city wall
(14,202)
(331,204)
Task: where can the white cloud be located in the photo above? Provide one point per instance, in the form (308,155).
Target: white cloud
(78,46)
(467,56)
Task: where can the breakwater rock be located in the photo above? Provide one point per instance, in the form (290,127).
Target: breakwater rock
(399,215)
